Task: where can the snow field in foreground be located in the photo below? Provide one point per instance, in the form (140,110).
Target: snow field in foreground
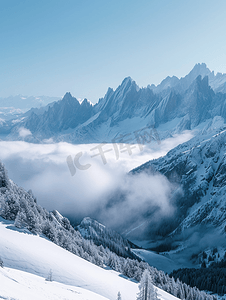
(19,285)
(33,254)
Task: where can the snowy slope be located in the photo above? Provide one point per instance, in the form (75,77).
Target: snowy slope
(20,285)
(26,252)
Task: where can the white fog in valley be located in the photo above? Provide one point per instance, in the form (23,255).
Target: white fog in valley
(43,169)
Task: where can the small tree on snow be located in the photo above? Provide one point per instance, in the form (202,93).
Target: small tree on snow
(119,297)
(50,276)
(146,287)
(1,263)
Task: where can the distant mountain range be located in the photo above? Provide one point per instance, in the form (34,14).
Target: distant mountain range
(13,110)
(171,107)
(26,102)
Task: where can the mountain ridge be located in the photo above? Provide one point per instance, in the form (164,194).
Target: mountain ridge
(190,100)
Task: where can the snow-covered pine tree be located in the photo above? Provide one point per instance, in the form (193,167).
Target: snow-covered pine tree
(119,297)
(1,263)
(50,276)
(146,287)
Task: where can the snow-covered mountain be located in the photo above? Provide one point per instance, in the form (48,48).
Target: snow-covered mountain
(14,109)
(63,115)
(101,235)
(197,170)
(217,82)
(172,107)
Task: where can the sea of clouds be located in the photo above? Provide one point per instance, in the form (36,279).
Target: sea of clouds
(52,171)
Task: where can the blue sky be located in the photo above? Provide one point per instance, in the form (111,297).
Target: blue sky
(54,46)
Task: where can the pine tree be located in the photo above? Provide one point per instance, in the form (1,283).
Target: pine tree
(1,263)
(119,297)
(146,287)
(50,276)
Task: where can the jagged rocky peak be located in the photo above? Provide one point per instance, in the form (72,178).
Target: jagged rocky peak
(109,93)
(167,82)
(127,83)
(183,83)
(68,98)
(86,102)
(200,69)
(127,80)
(217,82)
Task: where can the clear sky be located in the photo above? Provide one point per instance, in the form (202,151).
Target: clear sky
(53,46)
